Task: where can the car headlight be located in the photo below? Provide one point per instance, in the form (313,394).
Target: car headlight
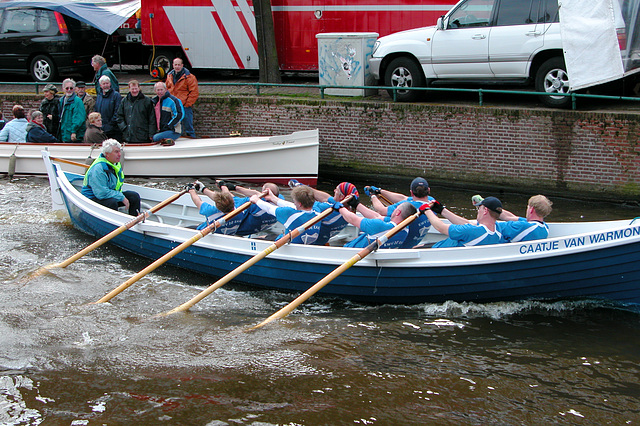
(375,46)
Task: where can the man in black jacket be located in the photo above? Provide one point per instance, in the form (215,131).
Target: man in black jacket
(136,117)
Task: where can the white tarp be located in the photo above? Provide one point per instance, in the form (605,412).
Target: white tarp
(590,41)
(106,15)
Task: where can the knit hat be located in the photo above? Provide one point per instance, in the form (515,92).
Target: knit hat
(348,189)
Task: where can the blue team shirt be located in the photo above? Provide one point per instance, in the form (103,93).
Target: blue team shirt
(292,218)
(522,230)
(255,220)
(331,225)
(212,214)
(419,228)
(375,228)
(469,235)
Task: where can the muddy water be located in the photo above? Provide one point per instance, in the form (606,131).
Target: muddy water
(64,361)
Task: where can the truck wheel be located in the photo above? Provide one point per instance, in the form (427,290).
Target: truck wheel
(404,72)
(552,77)
(43,69)
(163,59)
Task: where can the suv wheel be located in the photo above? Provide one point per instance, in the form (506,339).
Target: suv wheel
(43,69)
(404,72)
(552,77)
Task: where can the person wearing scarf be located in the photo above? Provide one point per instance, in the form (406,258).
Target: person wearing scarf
(36,132)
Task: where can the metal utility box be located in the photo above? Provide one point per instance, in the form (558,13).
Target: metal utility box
(343,60)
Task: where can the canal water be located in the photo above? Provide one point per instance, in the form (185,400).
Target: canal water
(66,362)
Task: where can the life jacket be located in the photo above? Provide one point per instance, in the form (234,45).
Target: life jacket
(117,169)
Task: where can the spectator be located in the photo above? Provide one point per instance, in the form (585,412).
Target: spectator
(87,99)
(107,103)
(103,181)
(184,86)
(15,130)
(136,117)
(50,108)
(72,114)
(169,114)
(36,132)
(94,133)
(99,65)
(1,120)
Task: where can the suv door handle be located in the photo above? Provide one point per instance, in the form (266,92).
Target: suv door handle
(533,33)
(479,37)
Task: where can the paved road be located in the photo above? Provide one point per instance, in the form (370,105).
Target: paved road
(234,83)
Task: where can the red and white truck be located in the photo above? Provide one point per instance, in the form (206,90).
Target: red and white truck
(221,34)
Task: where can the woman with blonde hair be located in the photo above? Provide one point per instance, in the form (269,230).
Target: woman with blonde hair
(94,133)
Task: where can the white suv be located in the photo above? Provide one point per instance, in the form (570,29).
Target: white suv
(479,41)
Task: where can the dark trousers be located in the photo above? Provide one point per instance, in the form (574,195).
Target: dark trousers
(132,196)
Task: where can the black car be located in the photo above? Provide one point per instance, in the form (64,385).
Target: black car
(46,44)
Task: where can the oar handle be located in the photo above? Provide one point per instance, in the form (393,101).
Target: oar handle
(339,270)
(74,163)
(252,261)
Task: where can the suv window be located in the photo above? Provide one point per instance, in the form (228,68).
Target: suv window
(29,21)
(518,12)
(474,13)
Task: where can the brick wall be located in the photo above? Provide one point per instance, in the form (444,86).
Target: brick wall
(551,150)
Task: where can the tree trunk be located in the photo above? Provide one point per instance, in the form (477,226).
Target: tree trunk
(267,52)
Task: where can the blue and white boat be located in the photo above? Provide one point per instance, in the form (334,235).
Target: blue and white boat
(590,260)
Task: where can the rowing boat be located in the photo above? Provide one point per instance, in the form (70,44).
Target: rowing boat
(250,159)
(592,260)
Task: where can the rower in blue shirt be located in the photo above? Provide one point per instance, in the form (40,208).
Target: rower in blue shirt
(466,233)
(419,190)
(528,228)
(292,215)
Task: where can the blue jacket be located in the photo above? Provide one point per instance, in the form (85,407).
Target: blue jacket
(107,105)
(171,113)
(101,181)
(37,133)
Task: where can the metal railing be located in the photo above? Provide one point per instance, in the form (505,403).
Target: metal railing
(394,90)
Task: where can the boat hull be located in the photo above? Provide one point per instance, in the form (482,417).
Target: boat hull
(250,159)
(599,264)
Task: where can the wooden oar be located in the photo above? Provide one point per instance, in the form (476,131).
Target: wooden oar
(202,233)
(73,163)
(246,265)
(339,270)
(111,235)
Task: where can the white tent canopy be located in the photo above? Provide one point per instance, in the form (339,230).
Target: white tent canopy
(589,31)
(106,15)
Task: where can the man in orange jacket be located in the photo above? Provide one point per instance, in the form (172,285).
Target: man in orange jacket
(184,86)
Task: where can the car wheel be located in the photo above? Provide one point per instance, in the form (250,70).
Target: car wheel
(43,69)
(404,72)
(552,77)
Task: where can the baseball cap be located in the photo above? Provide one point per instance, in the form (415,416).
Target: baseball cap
(419,182)
(492,203)
(81,84)
(348,188)
(50,88)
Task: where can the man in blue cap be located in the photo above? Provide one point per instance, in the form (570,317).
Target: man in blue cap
(466,233)
(419,189)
